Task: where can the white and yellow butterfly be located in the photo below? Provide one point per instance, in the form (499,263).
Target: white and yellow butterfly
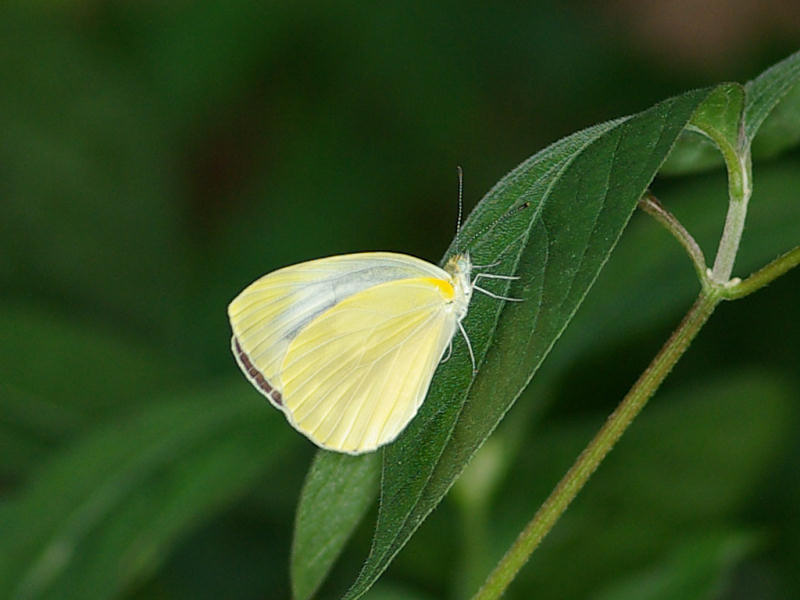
(346,346)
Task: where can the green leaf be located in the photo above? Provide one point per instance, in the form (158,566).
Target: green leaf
(720,115)
(338,491)
(582,191)
(697,569)
(540,164)
(720,118)
(781,129)
(714,128)
(767,90)
(104,513)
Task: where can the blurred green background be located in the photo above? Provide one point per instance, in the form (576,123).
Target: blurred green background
(155,158)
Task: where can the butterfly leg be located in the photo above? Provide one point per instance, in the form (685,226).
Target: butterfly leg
(469,347)
(449,353)
(492,276)
(493,295)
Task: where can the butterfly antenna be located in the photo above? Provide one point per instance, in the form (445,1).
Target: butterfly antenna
(460,198)
(504,217)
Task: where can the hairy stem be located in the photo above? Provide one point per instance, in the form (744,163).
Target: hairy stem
(763,276)
(739,189)
(650,204)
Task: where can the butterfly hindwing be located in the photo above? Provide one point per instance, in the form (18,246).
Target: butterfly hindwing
(356,374)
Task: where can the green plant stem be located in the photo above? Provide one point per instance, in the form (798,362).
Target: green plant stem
(763,276)
(739,190)
(588,461)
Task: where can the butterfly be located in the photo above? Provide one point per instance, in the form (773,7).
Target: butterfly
(346,346)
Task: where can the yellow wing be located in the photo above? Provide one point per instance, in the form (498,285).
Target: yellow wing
(267,315)
(355,376)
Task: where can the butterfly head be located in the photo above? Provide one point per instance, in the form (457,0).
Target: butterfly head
(459,266)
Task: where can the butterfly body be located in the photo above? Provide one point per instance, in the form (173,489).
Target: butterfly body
(346,346)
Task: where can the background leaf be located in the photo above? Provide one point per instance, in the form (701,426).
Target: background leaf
(697,569)
(765,91)
(780,131)
(51,390)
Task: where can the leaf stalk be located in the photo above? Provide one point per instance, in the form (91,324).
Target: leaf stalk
(650,204)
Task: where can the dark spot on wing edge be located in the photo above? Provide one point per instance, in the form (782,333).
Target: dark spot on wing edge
(256,376)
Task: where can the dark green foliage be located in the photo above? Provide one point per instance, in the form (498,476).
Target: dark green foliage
(157,157)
